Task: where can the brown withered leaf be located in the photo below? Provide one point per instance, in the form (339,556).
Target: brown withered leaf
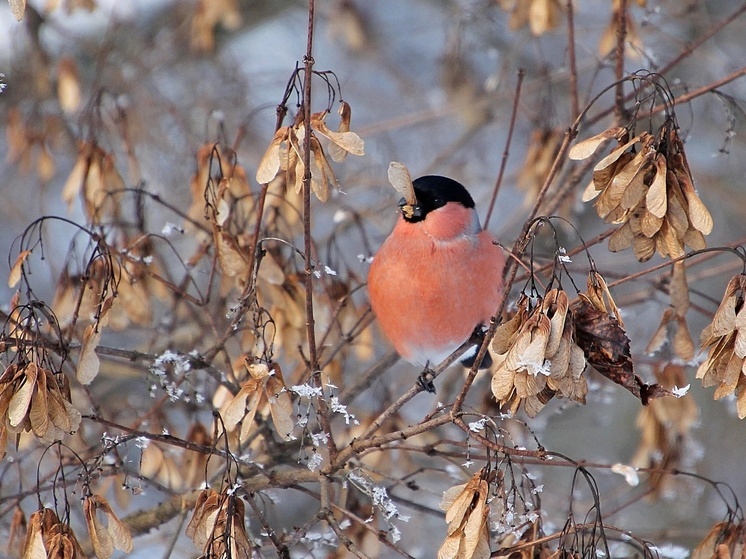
(606,347)
(33,547)
(679,289)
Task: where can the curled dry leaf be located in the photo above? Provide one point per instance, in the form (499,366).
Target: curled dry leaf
(68,85)
(105,536)
(208,14)
(269,165)
(608,42)
(343,141)
(467,515)
(88,364)
(285,153)
(585,148)
(606,345)
(96,178)
(161,466)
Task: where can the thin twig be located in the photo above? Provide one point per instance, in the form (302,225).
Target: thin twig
(508,140)
(620,19)
(573,80)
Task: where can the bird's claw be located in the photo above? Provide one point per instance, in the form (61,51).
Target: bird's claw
(425,380)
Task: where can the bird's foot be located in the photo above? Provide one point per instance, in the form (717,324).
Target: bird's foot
(425,380)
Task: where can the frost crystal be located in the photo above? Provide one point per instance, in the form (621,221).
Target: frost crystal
(477,426)
(381,501)
(315,461)
(319,439)
(169,364)
(307,391)
(169,228)
(536,369)
(679,392)
(342,410)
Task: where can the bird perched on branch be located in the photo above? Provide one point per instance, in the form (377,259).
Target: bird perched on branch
(437,279)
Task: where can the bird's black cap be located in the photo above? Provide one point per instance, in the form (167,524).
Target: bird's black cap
(434,192)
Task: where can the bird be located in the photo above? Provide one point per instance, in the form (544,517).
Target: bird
(437,278)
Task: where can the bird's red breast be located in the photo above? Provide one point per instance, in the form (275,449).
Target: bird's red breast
(434,280)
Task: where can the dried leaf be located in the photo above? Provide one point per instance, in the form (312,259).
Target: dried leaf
(606,347)
(615,154)
(33,548)
(683,345)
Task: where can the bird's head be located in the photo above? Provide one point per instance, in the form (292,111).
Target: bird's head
(444,208)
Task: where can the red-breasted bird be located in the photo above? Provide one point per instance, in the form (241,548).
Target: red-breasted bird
(438,276)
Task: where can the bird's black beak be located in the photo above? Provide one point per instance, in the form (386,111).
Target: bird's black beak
(410,211)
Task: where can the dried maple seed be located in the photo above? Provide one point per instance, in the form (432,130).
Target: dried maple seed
(645,186)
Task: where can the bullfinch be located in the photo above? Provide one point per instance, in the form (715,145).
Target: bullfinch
(437,278)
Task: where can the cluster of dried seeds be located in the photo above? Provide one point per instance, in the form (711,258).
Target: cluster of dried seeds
(32,398)
(645,185)
(725,338)
(285,152)
(537,357)
(217,526)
